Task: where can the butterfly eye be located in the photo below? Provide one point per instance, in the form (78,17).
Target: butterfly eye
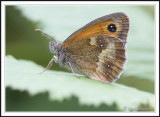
(112,28)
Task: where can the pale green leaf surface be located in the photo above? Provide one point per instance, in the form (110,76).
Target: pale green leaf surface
(23,75)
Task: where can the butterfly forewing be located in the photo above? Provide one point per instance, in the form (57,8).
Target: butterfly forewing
(119,22)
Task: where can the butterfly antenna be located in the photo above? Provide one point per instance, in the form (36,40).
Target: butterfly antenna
(45,34)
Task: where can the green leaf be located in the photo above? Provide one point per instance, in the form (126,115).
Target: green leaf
(23,75)
(23,42)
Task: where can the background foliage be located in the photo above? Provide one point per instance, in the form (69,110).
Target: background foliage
(22,42)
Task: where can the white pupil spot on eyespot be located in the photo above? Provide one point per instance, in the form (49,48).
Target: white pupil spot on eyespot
(102,45)
(108,65)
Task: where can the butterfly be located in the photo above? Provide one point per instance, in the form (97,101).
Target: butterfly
(97,50)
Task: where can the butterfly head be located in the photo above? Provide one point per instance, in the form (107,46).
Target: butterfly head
(56,48)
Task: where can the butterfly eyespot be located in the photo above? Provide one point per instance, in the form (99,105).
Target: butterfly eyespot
(108,66)
(101,45)
(112,28)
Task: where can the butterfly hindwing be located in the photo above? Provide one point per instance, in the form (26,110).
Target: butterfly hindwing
(100,57)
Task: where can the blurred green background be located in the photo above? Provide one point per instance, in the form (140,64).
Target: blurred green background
(60,21)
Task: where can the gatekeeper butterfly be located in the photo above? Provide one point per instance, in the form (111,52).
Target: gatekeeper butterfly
(97,50)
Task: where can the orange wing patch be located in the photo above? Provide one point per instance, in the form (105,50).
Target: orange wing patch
(101,26)
(98,28)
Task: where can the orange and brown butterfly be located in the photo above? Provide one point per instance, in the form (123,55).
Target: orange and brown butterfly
(97,50)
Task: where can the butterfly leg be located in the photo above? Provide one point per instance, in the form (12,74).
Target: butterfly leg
(49,64)
(73,70)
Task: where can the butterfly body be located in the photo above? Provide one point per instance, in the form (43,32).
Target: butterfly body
(97,50)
